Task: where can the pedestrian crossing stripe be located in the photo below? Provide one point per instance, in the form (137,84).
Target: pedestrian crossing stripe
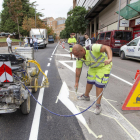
(132,101)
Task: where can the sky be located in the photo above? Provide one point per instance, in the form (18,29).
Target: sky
(52,8)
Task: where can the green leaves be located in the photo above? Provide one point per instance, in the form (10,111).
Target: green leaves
(13,9)
(76,20)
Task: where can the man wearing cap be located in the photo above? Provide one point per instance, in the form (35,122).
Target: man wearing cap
(98,58)
(71,42)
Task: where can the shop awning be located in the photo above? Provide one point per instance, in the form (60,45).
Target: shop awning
(130,10)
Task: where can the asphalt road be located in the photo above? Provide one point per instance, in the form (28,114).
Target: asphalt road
(112,124)
(16,126)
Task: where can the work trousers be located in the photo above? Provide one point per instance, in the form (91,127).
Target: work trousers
(10,49)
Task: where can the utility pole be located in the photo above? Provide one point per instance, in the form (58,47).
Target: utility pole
(119,15)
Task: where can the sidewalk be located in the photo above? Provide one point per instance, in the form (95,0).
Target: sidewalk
(5,49)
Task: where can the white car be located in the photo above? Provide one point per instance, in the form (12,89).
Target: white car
(131,50)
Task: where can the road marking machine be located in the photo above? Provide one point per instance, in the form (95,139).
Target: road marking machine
(16,71)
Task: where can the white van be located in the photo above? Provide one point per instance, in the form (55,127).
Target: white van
(41,35)
(131,50)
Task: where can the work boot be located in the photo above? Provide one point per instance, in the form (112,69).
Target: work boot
(71,59)
(74,58)
(98,109)
(83,97)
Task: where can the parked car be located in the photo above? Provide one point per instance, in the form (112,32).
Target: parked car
(81,40)
(115,39)
(2,34)
(50,39)
(131,50)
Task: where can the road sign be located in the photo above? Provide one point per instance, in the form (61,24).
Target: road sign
(6,72)
(132,101)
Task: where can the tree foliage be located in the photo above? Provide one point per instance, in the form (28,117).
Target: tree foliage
(76,21)
(49,30)
(64,34)
(13,9)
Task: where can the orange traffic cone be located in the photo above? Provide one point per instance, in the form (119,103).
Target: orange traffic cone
(137,73)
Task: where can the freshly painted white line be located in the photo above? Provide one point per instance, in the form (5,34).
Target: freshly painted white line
(36,119)
(48,64)
(50,59)
(51,56)
(122,79)
(71,68)
(65,55)
(64,98)
(55,49)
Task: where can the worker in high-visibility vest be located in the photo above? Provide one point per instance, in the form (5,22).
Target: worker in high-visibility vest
(71,42)
(98,58)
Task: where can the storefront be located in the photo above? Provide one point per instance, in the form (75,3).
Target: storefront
(135,25)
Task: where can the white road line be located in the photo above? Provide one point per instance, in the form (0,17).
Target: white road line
(67,50)
(74,67)
(36,119)
(55,49)
(51,56)
(50,59)
(48,64)
(122,79)
(64,98)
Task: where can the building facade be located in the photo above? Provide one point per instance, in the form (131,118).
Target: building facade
(57,24)
(103,16)
(48,21)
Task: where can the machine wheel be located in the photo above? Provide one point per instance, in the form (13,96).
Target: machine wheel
(34,82)
(25,106)
(122,55)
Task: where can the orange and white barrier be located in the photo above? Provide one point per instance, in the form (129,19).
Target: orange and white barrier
(6,72)
(63,45)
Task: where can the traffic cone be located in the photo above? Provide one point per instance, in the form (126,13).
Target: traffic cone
(137,73)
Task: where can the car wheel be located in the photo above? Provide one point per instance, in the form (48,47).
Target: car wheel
(122,55)
(25,106)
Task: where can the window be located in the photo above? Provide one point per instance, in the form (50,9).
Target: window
(134,42)
(102,36)
(122,35)
(107,37)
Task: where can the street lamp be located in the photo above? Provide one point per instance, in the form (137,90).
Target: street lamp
(35,10)
(35,15)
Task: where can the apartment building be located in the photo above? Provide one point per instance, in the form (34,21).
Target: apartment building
(103,15)
(48,21)
(57,24)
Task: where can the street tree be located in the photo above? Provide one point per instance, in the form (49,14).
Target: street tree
(10,25)
(15,11)
(76,21)
(64,34)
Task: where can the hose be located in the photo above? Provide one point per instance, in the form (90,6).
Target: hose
(60,114)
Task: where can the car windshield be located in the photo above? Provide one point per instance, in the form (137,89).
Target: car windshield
(120,35)
(38,36)
(50,36)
